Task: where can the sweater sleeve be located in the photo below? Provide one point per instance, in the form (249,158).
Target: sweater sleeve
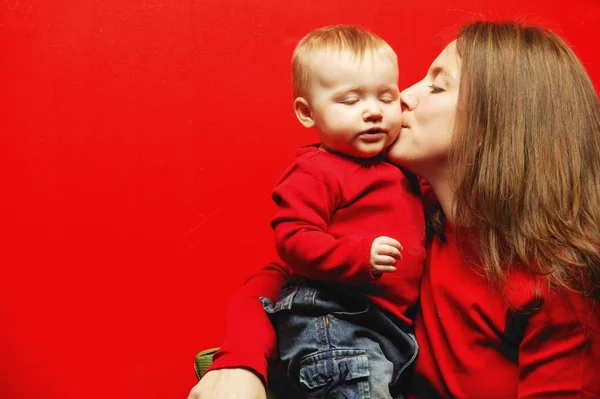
(250,340)
(306,200)
(559,350)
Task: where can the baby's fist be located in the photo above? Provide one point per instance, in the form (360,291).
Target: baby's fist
(385,251)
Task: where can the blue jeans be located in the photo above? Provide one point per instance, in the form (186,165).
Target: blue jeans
(336,344)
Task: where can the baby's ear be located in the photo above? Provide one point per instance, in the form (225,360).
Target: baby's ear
(303,112)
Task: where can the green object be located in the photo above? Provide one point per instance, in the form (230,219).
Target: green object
(203,362)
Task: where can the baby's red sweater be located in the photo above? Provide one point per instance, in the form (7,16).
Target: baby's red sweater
(331,208)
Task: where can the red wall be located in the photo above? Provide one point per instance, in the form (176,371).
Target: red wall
(139,141)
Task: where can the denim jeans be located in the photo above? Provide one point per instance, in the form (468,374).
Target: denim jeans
(336,344)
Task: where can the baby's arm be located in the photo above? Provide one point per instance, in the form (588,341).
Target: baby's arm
(306,200)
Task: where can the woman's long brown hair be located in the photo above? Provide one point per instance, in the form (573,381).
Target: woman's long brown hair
(526,155)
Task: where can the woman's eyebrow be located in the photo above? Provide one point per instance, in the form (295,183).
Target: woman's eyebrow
(439,70)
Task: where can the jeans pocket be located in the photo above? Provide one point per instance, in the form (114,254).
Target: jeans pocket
(341,301)
(284,300)
(335,373)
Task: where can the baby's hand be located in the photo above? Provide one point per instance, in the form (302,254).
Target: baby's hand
(385,251)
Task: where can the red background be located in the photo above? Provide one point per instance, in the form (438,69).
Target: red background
(139,141)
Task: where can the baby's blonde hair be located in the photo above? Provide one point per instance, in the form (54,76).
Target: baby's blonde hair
(336,38)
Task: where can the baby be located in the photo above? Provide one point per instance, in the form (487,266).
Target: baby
(344,319)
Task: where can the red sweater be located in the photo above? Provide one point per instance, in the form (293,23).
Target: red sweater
(331,208)
(463,332)
(465,343)
(473,346)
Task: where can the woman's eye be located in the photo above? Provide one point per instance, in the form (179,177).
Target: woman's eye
(436,89)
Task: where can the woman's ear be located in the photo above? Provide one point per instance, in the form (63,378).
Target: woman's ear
(303,112)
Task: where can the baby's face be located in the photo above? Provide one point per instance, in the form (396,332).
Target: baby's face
(355,103)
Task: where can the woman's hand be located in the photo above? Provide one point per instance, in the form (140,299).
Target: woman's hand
(235,383)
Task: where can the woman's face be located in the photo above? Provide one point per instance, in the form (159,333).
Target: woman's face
(429,107)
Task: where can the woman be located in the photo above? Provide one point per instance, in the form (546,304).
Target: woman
(505,128)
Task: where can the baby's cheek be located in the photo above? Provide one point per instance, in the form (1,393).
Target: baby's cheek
(395,116)
(392,137)
(393,151)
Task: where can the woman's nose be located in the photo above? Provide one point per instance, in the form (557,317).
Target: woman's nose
(408,100)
